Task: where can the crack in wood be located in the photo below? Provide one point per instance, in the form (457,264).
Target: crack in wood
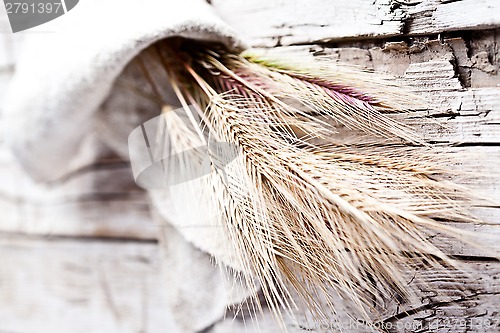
(435,304)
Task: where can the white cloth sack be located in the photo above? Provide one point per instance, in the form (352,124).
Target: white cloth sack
(63,76)
(55,101)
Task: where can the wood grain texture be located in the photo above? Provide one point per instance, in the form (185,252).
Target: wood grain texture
(436,16)
(70,285)
(466,302)
(458,77)
(452,301)
(279,22)
(83,284)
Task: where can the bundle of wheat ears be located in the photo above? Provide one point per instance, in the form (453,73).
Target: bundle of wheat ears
(311,213)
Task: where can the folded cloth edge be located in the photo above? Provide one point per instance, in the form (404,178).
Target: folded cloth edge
(62,78)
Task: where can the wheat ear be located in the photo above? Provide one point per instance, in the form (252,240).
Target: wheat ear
(309,214)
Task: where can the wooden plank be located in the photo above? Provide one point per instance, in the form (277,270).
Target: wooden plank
(453,301)
(450,301)
(66,285)
(464,115)
(70,285)
(437,16)
(277,22)
(460,115)
(73,285)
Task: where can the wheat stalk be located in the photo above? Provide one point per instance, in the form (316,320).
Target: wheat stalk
(307,213)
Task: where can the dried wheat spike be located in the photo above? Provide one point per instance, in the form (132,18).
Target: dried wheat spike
(308,213)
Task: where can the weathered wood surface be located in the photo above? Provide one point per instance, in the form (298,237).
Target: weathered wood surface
(282,22)
(71,285)
(459,76)
(76,285)
(435,16)
(64,285)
